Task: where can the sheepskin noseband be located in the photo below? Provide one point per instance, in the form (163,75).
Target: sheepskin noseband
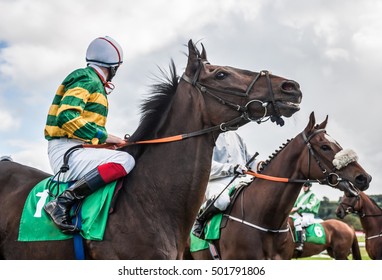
(343,158)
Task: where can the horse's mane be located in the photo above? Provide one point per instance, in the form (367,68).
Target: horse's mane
(273,155)
(154,108)
(276,152)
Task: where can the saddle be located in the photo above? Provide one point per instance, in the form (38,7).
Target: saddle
(234,194)
(215,224)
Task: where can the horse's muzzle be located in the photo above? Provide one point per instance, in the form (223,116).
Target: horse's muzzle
(362,181)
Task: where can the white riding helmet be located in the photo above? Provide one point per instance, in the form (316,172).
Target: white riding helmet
(104,51)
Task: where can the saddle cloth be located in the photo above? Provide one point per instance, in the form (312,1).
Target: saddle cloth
(211,232)
(315,233)
(35,224)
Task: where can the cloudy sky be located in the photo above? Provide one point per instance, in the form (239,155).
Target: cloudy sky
(332,48)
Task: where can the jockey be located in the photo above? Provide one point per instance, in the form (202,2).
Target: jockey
(77,116)
(304,212)
(229,158)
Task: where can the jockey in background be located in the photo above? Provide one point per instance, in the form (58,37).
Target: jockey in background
(229,159)
(304,212)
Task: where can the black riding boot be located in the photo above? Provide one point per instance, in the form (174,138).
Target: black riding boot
(299,241)
(203,216)
(59,208)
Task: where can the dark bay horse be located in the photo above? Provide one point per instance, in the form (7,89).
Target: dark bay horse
(162,195)
(371,220)
(257,226)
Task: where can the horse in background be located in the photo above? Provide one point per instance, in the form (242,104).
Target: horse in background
(155,209)
(257,225)
(370,215)
(341,241)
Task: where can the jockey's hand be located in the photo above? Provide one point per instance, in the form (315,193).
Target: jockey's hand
(112,139)
(240,169)
(260,165)
(294,209)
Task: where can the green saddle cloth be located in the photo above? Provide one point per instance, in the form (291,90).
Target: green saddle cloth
(315,233)
(35,224)
(211,232)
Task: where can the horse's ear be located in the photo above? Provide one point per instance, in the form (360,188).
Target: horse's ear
(324,123)
(311,124)
(204,53)
(193,57)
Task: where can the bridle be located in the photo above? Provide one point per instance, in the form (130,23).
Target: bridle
(232,124)
(205,89)
(332,178)
(351,208)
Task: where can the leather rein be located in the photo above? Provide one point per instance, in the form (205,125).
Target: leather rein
(332,178)
(328,180)
(204,89)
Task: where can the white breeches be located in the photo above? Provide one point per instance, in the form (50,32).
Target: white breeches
(303,221)
(83,160)
(222,201)
(215,187)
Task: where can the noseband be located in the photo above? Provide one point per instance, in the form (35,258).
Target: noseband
(194,81)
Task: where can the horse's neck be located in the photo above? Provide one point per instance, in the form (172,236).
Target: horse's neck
(372,221)
(170,179)
(273,201)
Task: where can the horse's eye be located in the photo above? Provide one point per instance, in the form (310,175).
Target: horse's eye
(221,75)
(325,148)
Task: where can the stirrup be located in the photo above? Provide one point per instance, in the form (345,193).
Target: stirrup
(198,229)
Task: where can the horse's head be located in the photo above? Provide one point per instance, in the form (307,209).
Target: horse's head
(349,204)
(328,163)
(245,95)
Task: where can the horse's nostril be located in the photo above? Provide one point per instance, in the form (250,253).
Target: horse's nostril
(362,180)
(290,86)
